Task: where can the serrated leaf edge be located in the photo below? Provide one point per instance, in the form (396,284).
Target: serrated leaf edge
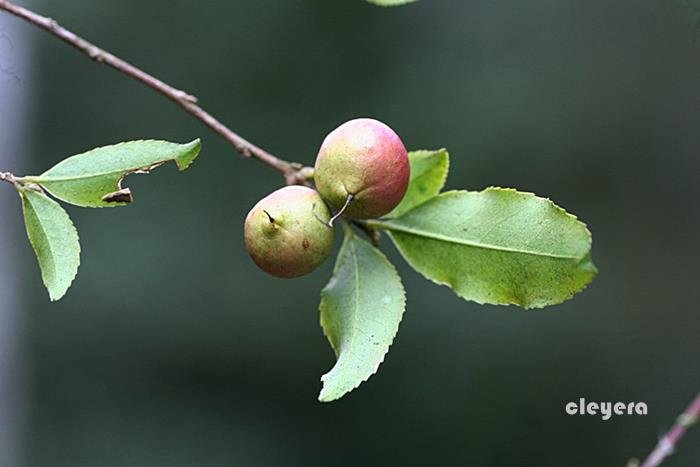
(389,225)
(586,257)
(594,273)
(52,297)
(182,162)
(347,230)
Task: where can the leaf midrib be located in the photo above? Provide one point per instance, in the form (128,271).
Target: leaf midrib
(485,246)
(126,171)
(357,291)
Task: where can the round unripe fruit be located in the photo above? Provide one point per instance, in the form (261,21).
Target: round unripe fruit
(286,232)
(366,159)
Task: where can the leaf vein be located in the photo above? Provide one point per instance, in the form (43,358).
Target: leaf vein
(474,244)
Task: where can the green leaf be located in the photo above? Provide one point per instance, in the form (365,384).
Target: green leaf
(391,2)
(497,246)
(54,239)
(361,308)
(93,179)
(428,174)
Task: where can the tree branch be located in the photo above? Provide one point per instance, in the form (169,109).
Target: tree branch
(292,172)
(7,177)
(667,444)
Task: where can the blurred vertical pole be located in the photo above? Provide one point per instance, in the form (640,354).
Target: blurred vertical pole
(15,55)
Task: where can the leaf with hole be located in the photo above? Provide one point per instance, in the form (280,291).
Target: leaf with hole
(54,239)
(428,174)
(94,178)
(497,246)
(361,308)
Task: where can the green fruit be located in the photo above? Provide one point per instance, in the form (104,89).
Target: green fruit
(365,160)
(286,232)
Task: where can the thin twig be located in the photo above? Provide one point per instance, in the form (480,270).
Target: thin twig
(667,444)
(293,172)
(7,177)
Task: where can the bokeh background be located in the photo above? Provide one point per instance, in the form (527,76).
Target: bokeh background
(172,349)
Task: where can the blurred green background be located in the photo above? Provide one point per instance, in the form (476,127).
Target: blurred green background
(173,349)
